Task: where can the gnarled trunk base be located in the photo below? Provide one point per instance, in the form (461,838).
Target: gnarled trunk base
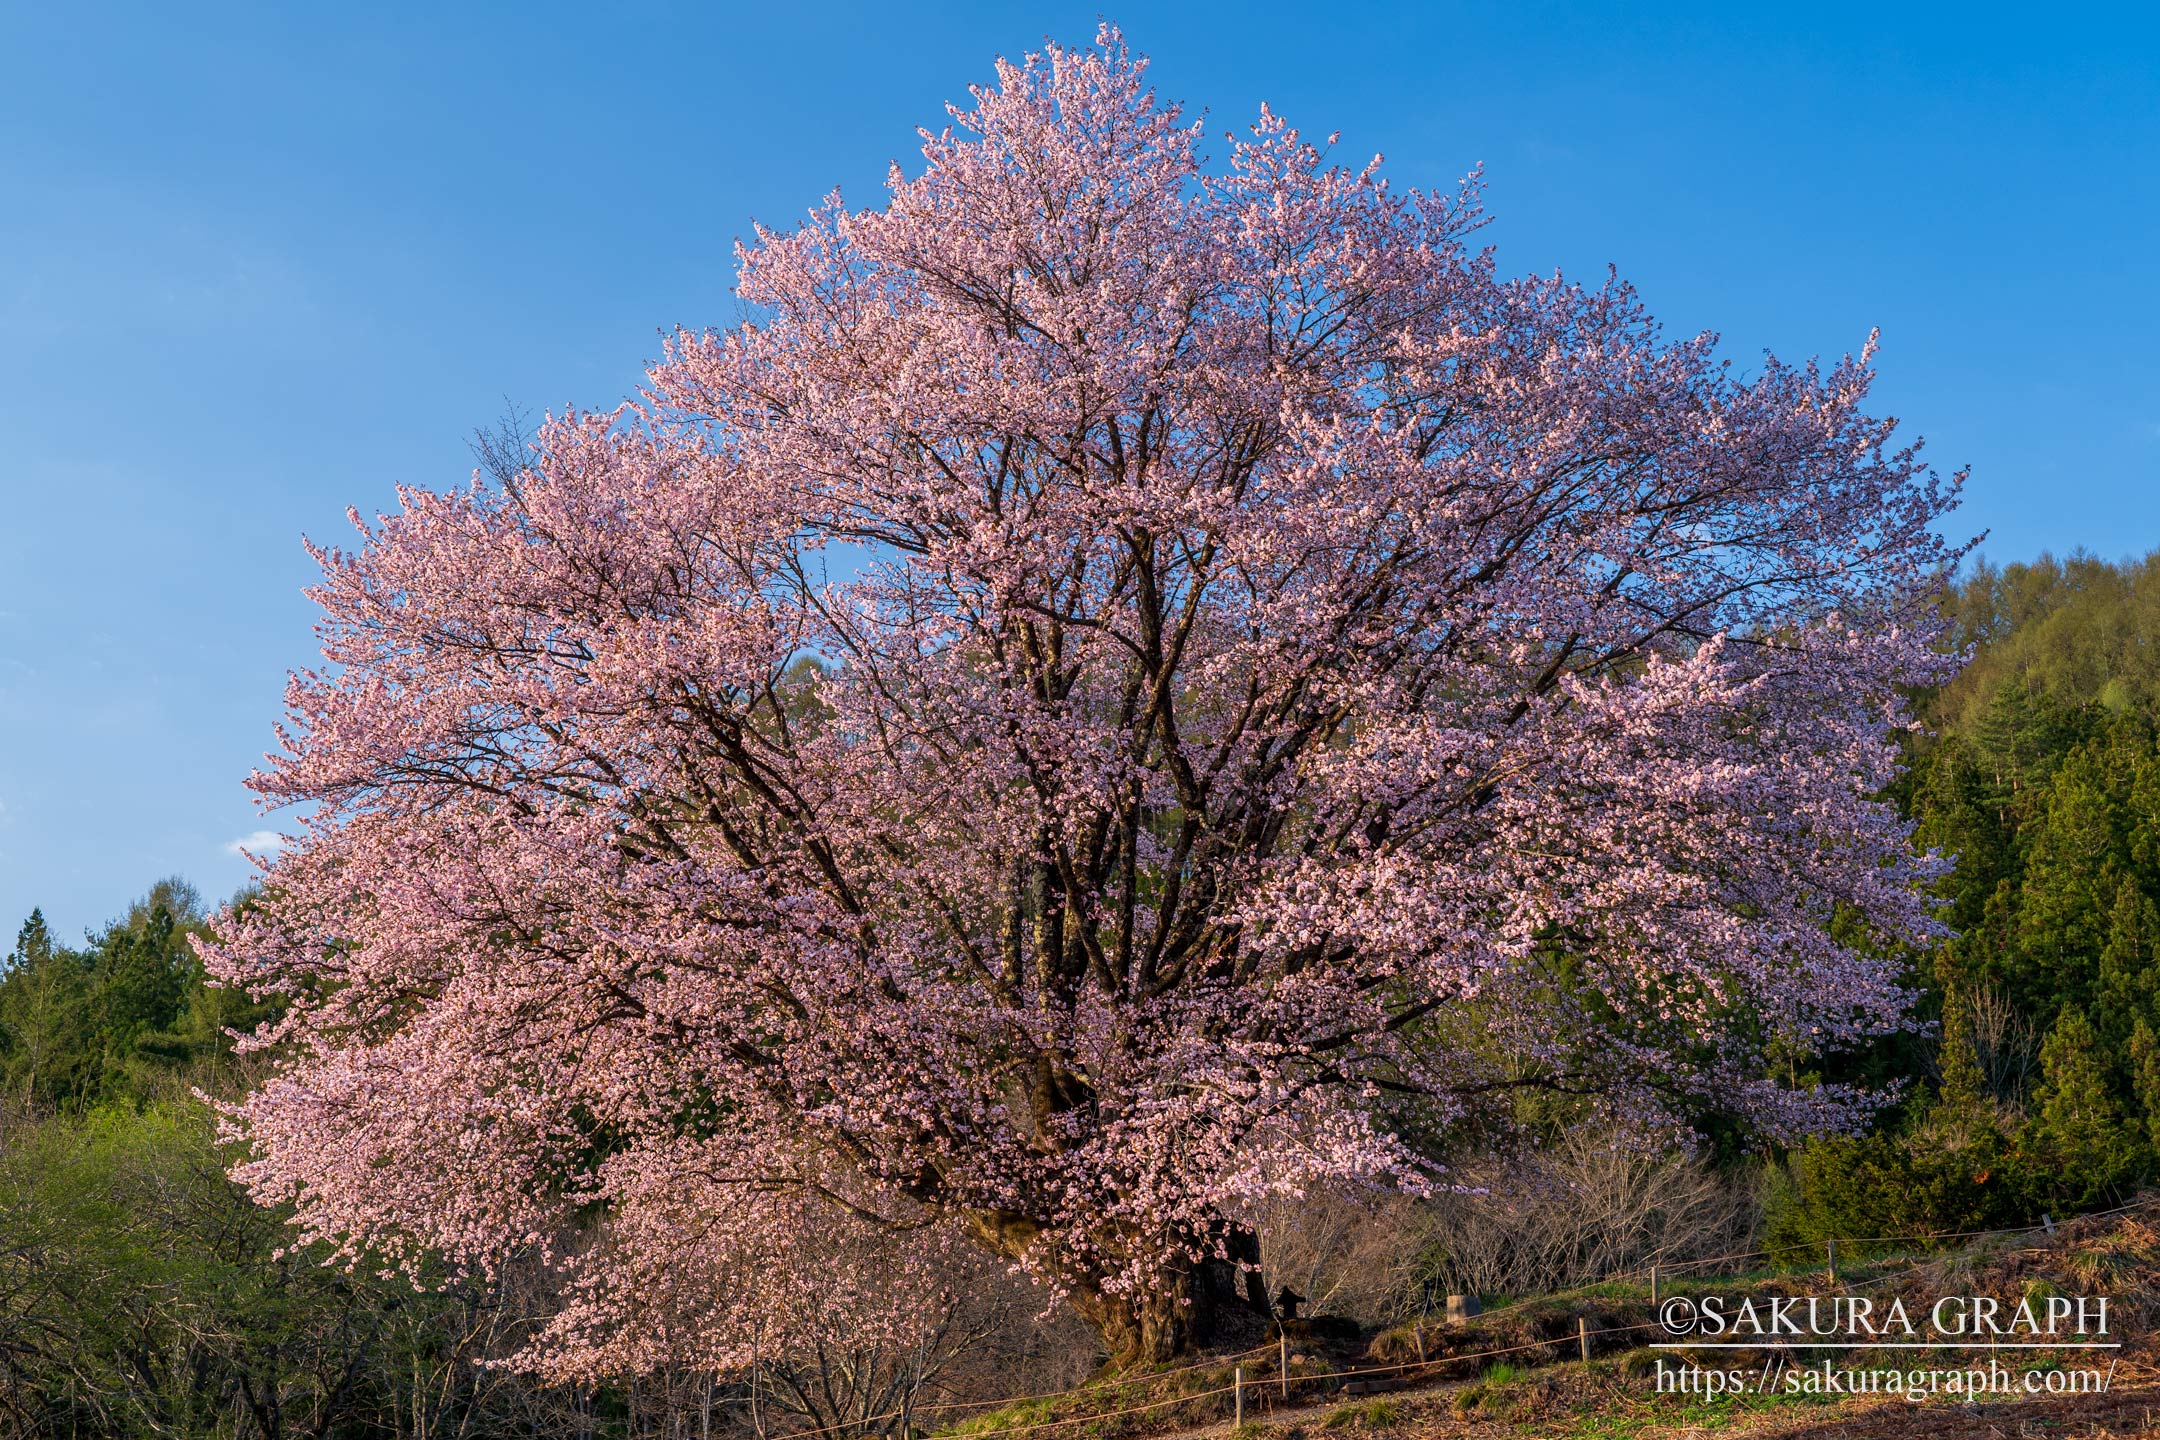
(1144,1329)
(1188,1307)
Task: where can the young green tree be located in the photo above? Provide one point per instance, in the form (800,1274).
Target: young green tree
(2081,1125)
(1964,1085)
(2145,1076)
(2128,974)
(43,1015)
(2072,870)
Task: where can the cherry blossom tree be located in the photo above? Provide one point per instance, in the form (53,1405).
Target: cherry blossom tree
(1128,668)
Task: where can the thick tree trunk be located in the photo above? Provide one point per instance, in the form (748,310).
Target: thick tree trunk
(1185,1308)
(1144,1329)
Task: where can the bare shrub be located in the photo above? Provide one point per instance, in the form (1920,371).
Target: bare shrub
(1358,1257)
(969,1328)
(2006,1041)
(1575,1211)
(1579,1210)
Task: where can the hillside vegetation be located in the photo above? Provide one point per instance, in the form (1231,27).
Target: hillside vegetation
(2041,1090)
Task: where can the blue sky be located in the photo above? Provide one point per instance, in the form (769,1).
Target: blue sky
(257,264)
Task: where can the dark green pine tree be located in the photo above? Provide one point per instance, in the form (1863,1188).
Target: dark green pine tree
(2073,868)
(2081,1127)
(1957,814)
(42,1013)
(1963,1084)
(2041,781)
(2145,1078)
(2018,735)
(143,972)
(2128,976)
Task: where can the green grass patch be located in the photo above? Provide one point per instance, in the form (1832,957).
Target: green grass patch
(1595,1422)
(1363,1415)
(1179,1398)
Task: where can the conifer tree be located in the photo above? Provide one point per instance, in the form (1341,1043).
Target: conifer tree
(2072,871)
(2127,974)
(2081,1124)
(40,1012)
(1963,1086)
(2145,1077)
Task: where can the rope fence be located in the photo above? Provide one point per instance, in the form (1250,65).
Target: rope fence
(1211,1363)
(1208,1364)
(1435,1363)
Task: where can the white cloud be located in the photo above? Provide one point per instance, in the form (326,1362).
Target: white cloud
(263,843)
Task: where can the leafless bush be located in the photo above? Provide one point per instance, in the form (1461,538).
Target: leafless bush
(1572,1212)
(1576,1211)
(1354,1257)
(1039,1346)
(854,1330)
(834,1375)
(2006,1042)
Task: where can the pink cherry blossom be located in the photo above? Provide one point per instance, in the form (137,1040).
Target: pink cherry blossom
(1129,677)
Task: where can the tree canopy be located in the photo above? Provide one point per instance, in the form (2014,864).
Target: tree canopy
(1053,727)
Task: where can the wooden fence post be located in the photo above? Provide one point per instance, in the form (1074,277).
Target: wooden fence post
(1582,1334)
(1239,1384)
(1421,1339)
(1283,1336)
(1653,1284)
(1833,1261)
